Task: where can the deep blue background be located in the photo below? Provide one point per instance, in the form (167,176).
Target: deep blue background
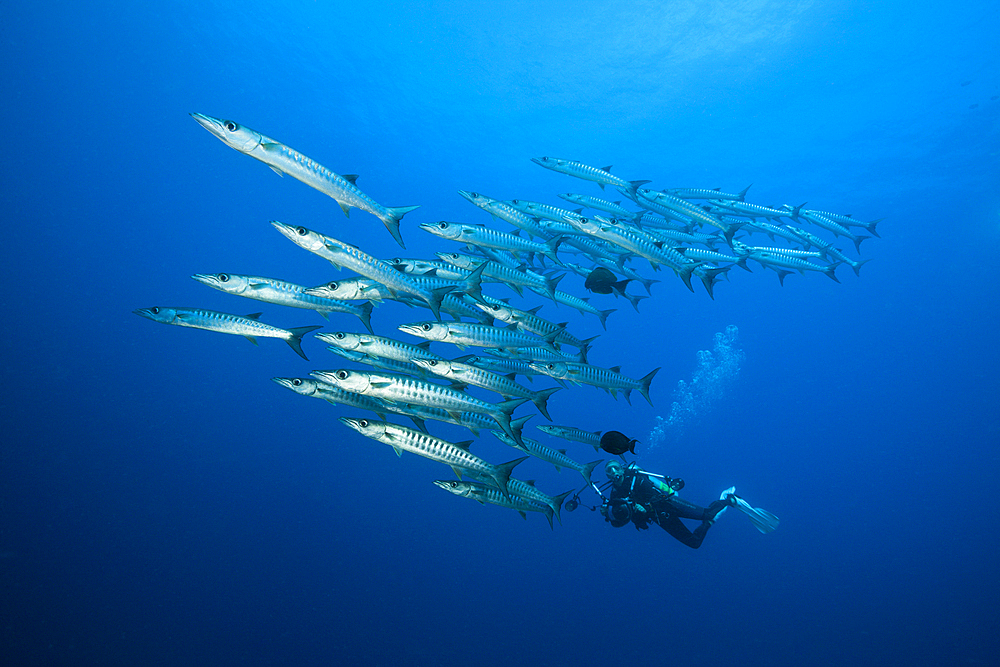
(164,503)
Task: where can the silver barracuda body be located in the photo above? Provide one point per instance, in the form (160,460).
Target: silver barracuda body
(280,292)
(610,379)
(404,389)
(211,320)
(351,257)
(458,456)
(285,160)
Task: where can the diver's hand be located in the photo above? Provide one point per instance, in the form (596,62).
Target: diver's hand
(639,509)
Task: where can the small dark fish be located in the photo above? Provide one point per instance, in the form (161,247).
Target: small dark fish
(965,83)
(615,442)
(973,106)
(603,281)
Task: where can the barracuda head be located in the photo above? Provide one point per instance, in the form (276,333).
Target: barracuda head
(343,340)
(158,314)
(304,386)
(455,486)
(556,369)
(356,382)
(435,366)
(475,197)
(230,132)
(300,236)
(497,310)
(224,282)
(446,230)
(458,259)
(370,428)
(430,330)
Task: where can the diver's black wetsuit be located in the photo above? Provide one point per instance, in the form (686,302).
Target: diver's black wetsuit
(666,510)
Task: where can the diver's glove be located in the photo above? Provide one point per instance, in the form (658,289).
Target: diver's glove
(640,510)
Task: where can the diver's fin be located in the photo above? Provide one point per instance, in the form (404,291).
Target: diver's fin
(762,520)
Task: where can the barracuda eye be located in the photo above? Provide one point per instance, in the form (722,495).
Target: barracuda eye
(396,260)
(443,225)
(343,375)
(297,382)
(551,367)
(495,308)
(363,423)
(339,335)
(453,484)
(301,231)
(514,201)
(332,286)
(432,362)
(231,126)
(425,327)
(154,310)
(223,277)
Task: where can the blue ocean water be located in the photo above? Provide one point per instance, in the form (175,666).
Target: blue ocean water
(165,503)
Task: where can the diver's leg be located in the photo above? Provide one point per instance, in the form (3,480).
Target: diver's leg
(672,524)
(687,510)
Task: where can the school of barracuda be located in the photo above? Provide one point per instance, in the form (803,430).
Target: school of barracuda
(694,233)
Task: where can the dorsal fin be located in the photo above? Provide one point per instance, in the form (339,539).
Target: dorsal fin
(351,178)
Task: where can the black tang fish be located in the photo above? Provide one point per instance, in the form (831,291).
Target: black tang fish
(615,442)
(603,281)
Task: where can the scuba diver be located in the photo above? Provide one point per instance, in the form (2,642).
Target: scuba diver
(643,497)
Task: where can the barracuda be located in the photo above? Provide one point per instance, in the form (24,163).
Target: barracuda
(556,457)
(465,374)
(703,193)
(421,267)
(333,395)
(466,334)
(352,289)
(486,493)
(473,421)
(210,320)
(390,365)
(404,389)
(283,293)
(379,346)
(609,379)
(655,252)
(529,321)
(848,221)
(351,257)
(580,170)
(513,277)
(506,212)
(539,210)
(478,235)
(776,261)
(456,455)
(772,230)
(756,210)
(836,228)
(691,210)
(574,434)
(285,160)
(512,367)
(580,303)
(612,207)
(703,255)
(528,491)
